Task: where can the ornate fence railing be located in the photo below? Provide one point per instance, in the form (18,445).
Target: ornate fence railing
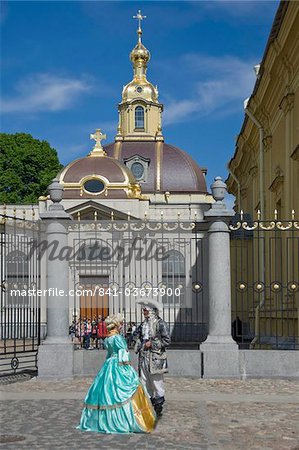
(20,312)
(112,265)
(265,282)
(115,264)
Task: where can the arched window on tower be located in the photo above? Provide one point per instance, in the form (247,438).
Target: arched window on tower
(139,117)
(174,278)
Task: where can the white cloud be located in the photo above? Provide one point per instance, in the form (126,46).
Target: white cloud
(44,92)
(177,111)
(216,84)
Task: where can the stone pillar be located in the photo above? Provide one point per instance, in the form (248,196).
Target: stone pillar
(220,351)
(56,354)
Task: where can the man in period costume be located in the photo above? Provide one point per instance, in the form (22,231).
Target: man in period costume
(152,339)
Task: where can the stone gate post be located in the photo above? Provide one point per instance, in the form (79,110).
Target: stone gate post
(220,351)
(56,354)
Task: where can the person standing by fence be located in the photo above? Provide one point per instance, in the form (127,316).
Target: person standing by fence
(94,332)
(87,334)
(152,339)
(101,332)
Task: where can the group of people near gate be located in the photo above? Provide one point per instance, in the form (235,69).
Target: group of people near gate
(120,400)
(90,334)
(87,333)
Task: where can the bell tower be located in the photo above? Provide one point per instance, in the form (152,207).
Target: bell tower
(140,113)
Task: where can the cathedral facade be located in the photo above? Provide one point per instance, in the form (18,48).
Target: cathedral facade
(138,174)
(137,179)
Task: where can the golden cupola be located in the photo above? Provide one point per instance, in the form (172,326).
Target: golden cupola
(139,111)
(140,56)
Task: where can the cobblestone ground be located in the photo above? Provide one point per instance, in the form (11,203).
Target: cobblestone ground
(199,414)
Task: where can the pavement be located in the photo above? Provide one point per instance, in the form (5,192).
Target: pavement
(260,414)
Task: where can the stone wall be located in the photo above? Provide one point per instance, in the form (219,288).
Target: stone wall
(189,363)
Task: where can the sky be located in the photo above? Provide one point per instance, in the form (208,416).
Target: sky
(64,64)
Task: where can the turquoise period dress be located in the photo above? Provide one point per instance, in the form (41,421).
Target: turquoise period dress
(116,401)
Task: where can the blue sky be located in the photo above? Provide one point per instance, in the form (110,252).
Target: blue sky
(64,65)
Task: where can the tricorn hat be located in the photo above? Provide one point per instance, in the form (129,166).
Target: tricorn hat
(149,304)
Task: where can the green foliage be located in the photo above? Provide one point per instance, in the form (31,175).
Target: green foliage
(27,167)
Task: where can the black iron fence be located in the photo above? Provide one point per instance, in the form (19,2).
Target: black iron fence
(116,264)
(265,283)
(113,265)
(20,312)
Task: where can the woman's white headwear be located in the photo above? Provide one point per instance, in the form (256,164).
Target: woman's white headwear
(120,317)
(113,321)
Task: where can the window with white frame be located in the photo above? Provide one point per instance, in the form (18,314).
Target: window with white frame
(139,117)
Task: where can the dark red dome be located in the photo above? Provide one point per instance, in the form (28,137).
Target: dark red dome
(114,171)
(177,171)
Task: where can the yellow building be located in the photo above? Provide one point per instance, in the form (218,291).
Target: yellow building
(264,176)
(264,171)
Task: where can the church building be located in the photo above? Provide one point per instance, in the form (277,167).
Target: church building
(136,178)
(138,174)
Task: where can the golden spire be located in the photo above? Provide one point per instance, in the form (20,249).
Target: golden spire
(139,17)
(139,55)
(142,94)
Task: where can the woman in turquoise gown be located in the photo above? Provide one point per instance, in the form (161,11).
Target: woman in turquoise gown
(116,401)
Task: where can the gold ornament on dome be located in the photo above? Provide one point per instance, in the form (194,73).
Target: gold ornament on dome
(98,137)
(139,92)
(140,56)
(134,191)
(139,53)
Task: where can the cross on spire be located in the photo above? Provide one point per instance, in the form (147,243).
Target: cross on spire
(139,17)
(98,137)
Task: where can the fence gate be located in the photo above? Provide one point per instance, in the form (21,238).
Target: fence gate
(115,264)
(265,284)
(20,308)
